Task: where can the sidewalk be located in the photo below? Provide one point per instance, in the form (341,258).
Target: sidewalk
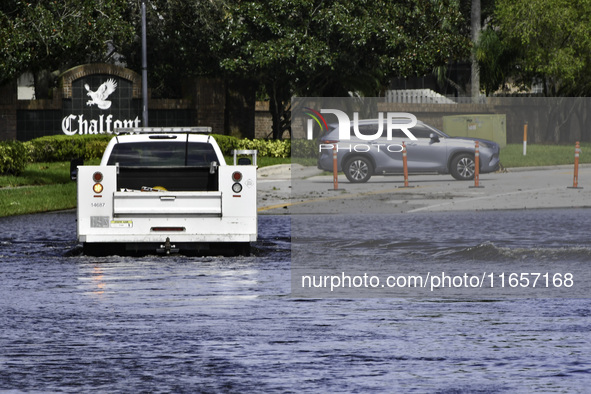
(288,189)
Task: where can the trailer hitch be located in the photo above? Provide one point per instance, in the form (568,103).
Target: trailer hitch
(167,247)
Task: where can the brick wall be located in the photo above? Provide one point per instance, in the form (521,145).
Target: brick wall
(99,68)
(229,108)
(8,102)
(210,103)
(550,119)
(262,120)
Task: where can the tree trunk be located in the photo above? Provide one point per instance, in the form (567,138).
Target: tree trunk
(239,108)
(280,114)
(475,74)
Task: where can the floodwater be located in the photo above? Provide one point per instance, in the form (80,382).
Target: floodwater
(72,323)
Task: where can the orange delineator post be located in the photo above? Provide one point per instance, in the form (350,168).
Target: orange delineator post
(335,177)
(404,164)
(576,175)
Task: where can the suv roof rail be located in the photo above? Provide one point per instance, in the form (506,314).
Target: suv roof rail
(160,130)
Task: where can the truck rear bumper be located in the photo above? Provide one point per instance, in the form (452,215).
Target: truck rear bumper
(166,247)
(165,236)
(184,238)
(176,229)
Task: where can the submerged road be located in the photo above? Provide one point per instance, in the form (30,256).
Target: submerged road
(248,324)
(298,189)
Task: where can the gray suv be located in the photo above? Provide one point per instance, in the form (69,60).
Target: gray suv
(432,152)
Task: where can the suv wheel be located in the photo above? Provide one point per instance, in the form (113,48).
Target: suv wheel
(462,167)
(358,169)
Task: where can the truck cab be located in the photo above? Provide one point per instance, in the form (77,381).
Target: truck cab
(167,190)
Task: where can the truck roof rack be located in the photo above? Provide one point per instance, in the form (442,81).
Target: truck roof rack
(160,130)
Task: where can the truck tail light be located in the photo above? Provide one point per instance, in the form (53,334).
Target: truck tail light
(236,176)
(236,187)
(97,177)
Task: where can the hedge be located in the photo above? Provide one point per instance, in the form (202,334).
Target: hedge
(13,157)
(15,154)
(64,148)
(227,143)
(267,148)
(271,148)
(304,149)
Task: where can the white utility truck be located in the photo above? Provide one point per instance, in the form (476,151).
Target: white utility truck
(167,190)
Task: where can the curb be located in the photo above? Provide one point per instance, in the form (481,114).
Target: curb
(545,168)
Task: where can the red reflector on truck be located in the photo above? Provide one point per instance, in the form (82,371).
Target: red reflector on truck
(167,229)
(236,176)
(97,177)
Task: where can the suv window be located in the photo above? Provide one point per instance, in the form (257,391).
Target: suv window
(372,129)
(420,131)
(162,153)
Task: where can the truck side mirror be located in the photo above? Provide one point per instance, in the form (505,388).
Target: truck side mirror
(434,137)
(74,167)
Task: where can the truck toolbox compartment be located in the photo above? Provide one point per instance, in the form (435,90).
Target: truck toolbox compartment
(130,204)
(197,179)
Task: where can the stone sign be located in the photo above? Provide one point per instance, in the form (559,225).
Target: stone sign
(99,98)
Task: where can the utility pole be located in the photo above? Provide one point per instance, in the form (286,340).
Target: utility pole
(475,72)
(144,69)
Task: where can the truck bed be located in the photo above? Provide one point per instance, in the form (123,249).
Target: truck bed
(171,178)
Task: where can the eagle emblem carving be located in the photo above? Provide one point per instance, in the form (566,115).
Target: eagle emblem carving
(102,93)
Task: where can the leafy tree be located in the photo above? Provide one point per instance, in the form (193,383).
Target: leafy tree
(182,38)
(495,60)
(547,41)
(287,47)
(46,36)
(329,48)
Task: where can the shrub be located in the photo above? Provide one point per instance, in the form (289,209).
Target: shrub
(95,148)
(304,149)
(227,143)
(64,148)
(267,148)
(13,157)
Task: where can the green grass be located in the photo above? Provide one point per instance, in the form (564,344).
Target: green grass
(271,161)
(32,199)
(263,161)
(39,174)
(543,155)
